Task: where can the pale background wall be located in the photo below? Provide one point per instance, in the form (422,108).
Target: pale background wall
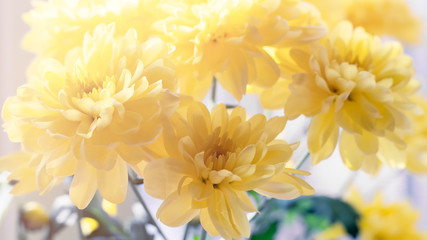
(326,177)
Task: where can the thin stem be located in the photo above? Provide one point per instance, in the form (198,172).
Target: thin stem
(350,180)
(385,181)
(214,90)
(307,156)
(204,234)
(187,230)
(144,205)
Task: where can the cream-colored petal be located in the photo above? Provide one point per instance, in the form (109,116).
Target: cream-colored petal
(113,183)
(133,154)
(14,161)
(84,185)
(207,224)
(162,176)
(322,136)
(219,215)
(274,127)
(176,210)
(99,156)
(351,155)
(238,216)
(27,182)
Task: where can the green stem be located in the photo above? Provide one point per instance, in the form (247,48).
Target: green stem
(204,234)
(307,156)
(187,229)
(214,90)
(350,180)
(144,205)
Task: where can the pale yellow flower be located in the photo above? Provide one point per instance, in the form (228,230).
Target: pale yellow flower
(416,139)
(395,221)
(334,232)
(57,26)
(225,39)
(213,160)
(33,216)
(355,83)
(92,115)
(378,17)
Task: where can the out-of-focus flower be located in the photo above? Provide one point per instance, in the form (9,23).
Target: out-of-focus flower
(392,222)
(334,232)
(57,26)
(354,82)
(225,39)
(213,160)
(91,115)
(109,207)
(33,216)
(392,17)
(88,225)
(416,139)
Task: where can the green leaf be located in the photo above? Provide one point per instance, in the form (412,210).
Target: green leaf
(268,234)
(319,212)
(256,197)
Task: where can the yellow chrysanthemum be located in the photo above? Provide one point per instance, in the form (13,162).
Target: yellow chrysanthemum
(334,232)
(213,160)
(354,82)
(392,17)
(92,115)
(57,26)
(416,139)
(392,222)
(225,39)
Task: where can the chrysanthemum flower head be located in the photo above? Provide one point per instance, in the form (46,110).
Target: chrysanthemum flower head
(57,26)
(386,221)
(392,17)
(225,39)
(213,160)
(355,83)
(416,152)
(91,115)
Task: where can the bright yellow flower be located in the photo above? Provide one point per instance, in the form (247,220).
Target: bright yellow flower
(213,160)
(416,139)
(392,222)
(225,39)
(60,25)
(392,17)
(109,207)
(88,225)
(92,115)
(33,216)
(355,83)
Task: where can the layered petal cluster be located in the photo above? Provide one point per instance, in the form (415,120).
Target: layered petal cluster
(60,25)
(392,17)
(416,152)
(91,116)
(353,82)
(225,39)
(213,160)
(386,221)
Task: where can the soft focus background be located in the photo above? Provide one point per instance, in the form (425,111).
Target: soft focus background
(328,178)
